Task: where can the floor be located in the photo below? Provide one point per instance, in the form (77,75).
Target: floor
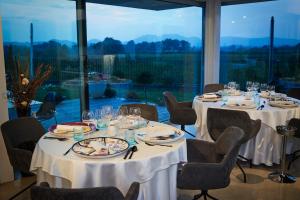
(258,187)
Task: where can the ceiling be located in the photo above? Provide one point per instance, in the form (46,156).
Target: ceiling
(164,4)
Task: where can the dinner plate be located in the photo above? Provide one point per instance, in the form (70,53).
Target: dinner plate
(283,104)
(243,106)
(86,129)
(209,99)
(158,134)
(100,147)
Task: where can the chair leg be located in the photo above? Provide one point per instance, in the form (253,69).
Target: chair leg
(244,174)
(205,194)
(183,129)
(293,159)
(246,159)
(55,119)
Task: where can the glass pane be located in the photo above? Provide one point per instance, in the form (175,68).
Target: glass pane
(245,43)
(54,43)
(134,55)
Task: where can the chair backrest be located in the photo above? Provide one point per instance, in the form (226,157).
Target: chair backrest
(47,108)
(148,112)
(98,193)
(21,130)
(213,88)
(171,102)
(220,119)
(294,92)
(295,123)
(228,145)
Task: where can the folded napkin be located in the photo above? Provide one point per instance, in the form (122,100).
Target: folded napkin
(210,96)
(66,128)
(156,131)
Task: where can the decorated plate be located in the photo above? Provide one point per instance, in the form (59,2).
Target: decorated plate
(158,134)
(67,129)
(283,104)
(100,147)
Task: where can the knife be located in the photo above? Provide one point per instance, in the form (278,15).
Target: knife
(127,153)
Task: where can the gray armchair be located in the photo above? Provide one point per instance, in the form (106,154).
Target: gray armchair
(214,87)
(296,154)
(219,119)
(180,112)
(210,164)
(98,193)
(20,136)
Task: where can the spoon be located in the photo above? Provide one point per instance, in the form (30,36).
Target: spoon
(134,149)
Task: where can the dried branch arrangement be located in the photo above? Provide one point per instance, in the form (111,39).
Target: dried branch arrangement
(24,88)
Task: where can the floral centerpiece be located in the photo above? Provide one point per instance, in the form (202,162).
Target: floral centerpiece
(23,89)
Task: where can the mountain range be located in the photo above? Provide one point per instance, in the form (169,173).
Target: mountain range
(194,41)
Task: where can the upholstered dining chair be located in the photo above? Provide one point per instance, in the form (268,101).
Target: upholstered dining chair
(20,136)
(43,191)
(214,87)
(148,111)
(210,163)
(296,154)
(294,92)
(181,113)
(219,119)
(46,111)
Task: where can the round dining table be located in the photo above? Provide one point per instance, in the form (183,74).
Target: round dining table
(266,146)
(154,167)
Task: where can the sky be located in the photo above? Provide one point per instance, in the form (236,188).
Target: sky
(56,19)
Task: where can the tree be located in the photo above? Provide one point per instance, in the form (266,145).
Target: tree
(145,79)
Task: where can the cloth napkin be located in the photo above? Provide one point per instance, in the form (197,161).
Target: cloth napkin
(210,96)
(66,128)
(155,131)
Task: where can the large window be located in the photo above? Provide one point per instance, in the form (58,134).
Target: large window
(133,54)
(245,43)
(136,54)
(52,26)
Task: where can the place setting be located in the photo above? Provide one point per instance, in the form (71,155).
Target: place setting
(210,97)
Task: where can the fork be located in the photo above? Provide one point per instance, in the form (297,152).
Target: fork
(55,138)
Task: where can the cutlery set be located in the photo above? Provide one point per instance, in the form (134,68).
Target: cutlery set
(132,150)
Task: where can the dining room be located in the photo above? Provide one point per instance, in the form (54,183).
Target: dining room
(149,100)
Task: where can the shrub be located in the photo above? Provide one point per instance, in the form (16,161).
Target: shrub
(109,92)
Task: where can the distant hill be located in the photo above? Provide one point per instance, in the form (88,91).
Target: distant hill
(256,42)
(194,41)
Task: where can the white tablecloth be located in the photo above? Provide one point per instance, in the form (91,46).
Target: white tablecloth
(265,148)
(155,167)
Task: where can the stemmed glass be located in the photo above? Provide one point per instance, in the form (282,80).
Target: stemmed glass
(263,87)
(135,111)
(249,85)
(87,117)
(107,112)
(256,86)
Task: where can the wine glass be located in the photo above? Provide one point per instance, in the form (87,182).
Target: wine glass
(87,117)
(249,85)
(271,89)
(263,87)
(107,112)
(135,111)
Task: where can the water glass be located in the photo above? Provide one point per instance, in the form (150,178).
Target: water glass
(257,100)
(130,137)
(107,112)
(87,117)
(78,134)
(103,123)
(263,87)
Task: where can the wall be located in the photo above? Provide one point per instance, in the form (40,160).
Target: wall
(6,171)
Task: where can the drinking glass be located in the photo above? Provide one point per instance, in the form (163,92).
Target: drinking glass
(87,117)
(107,112)
(135,111)
(263,87)
(256,86)
(78,134)
(232,85)
(271,89)
(249,85)
(130,137)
